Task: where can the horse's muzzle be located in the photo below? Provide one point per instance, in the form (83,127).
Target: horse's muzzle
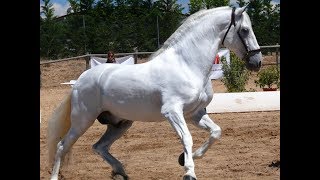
(253,62)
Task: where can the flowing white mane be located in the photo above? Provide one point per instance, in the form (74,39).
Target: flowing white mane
(185,27)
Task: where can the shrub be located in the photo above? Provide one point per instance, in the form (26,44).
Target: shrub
(268,77)
(235,74)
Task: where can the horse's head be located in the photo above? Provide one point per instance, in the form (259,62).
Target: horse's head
(240,39)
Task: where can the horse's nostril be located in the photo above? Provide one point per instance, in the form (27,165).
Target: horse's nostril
(259,64)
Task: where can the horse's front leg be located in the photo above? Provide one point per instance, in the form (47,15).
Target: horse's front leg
(202,120)
(174,114)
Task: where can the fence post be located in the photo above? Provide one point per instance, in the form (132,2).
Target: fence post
(135,56)
(277,56)
(87,58)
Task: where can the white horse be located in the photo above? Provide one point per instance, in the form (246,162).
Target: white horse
(173,86)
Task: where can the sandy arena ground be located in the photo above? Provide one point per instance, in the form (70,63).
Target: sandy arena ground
(249,147)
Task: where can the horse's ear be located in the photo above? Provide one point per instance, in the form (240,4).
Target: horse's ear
(239,11)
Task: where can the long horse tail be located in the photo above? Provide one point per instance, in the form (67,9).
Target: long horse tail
(58,125)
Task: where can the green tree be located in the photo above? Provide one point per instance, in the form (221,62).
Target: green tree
(51,33)
(150,35)
(123,28)
(170,16)
(75,5)
(75,34)
(97,26)
(265,19)
(81,27)
(102,27)
(103,10)
(196,5)
(215,3)
(86,5)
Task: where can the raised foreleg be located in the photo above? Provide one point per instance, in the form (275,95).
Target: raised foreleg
(202,120)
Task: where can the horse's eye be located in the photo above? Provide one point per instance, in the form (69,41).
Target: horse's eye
(245,31)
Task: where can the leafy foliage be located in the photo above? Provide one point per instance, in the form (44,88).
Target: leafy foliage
(121,25)
(196,5)
(265,19)
(51,33)
(235,74)
(47,10)
(268,77)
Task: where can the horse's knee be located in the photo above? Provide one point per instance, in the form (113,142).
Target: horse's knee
(187,140)
(216,132)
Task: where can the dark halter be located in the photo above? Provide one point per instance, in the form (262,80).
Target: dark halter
(249,52)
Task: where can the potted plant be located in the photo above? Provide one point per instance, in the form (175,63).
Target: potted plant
(268,78)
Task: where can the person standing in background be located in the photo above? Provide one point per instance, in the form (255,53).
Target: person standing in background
(110,57)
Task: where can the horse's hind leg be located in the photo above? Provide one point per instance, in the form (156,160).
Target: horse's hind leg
(77,129)
(102,147)
(202,120)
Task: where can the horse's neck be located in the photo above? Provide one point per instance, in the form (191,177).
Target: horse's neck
(199,55)
(198,51)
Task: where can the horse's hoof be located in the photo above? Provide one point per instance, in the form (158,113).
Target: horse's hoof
(181,159)
(119,177)
(187,177)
